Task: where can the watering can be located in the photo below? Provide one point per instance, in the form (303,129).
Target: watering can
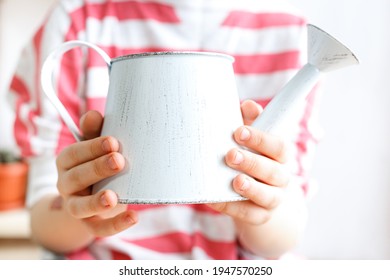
(165,110)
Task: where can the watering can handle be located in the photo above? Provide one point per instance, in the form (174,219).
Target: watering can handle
(47,80)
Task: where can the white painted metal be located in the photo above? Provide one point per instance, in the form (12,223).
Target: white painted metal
(325,54)
(49,67)
(174,114)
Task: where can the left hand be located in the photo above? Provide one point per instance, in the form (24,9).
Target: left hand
(263,175)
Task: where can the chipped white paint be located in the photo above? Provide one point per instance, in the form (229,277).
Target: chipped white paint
(325,54)
(174,114)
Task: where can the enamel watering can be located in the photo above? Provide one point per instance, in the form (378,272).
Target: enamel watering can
(165,110)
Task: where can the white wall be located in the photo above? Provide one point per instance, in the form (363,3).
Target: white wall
(350,215)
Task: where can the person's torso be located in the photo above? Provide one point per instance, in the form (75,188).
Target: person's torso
(265,39)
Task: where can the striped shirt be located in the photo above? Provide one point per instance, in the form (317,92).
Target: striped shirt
(267,38)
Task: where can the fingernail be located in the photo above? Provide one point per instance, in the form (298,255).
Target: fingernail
(106,145)
(103,200)
(238,158)
(245,134)
(112,163)
(245,185)
(129,219)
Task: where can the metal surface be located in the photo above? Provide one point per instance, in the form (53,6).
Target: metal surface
(165,110)
(325,54)
(174,53)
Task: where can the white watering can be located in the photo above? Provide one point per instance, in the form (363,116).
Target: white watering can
(165,109)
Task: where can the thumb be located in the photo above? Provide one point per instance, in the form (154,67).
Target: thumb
(250,110)
(91,124)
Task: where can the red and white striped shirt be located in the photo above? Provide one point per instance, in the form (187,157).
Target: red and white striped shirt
(267,38)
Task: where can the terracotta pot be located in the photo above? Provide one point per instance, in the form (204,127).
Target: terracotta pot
(13,182)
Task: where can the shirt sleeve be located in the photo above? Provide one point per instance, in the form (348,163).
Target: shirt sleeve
(38,129)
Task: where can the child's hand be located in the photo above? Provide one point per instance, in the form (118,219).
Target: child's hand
(264,175)
(83,164)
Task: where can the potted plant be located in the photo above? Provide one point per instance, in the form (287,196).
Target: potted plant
(13,181)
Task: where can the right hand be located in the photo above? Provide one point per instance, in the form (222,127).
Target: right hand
(85,163)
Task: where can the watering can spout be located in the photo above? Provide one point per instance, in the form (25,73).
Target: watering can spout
(326,53)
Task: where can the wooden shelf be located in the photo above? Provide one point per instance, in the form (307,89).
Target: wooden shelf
(14,224)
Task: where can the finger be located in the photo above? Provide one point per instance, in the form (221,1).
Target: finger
(263,143)
(259,167)
(245,211)
(82,207)
(263,195)
(89,173)
(85,151)
(250,111)
(107,227)
(91,124)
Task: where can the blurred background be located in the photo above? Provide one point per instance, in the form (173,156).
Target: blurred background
(349,214)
